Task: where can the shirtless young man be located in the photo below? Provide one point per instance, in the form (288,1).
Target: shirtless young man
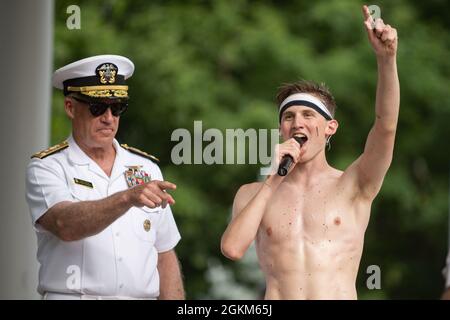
(309,225)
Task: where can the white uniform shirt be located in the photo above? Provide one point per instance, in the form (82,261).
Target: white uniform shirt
(119,261)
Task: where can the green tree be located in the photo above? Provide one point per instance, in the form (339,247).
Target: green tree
(221,62)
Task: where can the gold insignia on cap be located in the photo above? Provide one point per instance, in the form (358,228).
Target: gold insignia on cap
(107,73)
(139,152)
(45,153)
(147,225)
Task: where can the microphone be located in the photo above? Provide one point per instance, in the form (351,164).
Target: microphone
(287,160)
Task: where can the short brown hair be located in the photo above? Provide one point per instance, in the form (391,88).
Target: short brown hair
(320,91)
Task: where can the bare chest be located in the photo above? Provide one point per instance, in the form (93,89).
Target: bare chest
(318,214)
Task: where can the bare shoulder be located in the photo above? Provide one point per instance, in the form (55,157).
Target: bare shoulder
(249,189)
(243,196)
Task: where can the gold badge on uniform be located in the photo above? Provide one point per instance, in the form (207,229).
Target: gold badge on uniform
(83,183)
(147,225)
(135,176)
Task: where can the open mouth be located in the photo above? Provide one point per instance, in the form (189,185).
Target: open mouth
(300,138)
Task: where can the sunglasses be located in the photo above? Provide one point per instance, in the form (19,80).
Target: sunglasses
(99,108)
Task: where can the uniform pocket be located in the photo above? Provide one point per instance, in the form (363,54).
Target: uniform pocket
(144,223)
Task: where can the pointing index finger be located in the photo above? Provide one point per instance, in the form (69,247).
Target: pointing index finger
(167,185)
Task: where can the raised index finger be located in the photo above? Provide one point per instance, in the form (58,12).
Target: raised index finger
(366,13)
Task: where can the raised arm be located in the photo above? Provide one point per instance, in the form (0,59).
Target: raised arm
(372,165)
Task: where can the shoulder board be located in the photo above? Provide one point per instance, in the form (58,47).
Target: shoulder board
(139,152)
(45,153)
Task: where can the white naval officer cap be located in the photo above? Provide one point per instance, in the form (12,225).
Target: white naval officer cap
(101,76)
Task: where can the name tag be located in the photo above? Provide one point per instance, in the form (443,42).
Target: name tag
(83,183)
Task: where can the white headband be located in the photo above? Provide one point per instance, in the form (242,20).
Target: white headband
(304,99)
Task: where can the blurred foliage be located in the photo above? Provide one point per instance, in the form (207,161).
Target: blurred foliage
(222,61)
